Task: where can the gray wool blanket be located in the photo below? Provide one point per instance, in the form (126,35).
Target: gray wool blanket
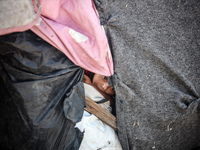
(14,13)
(156,50)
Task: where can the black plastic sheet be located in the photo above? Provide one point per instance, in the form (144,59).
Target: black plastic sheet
(42,95)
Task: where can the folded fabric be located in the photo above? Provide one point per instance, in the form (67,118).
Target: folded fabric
(74,28)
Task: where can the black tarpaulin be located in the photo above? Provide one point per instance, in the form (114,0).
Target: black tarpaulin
(42,95)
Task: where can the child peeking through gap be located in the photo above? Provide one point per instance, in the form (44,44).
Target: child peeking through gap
(100,83)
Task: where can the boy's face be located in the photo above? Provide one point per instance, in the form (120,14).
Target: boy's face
(102,83)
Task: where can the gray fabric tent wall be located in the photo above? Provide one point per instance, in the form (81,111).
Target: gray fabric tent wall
(156,50)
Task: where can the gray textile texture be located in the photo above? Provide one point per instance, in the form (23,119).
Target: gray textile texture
(156,51)
(16,13)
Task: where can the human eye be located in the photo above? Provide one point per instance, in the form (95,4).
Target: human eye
(112,89)
(105,78)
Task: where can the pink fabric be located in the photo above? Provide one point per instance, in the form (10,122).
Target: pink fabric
(59,17)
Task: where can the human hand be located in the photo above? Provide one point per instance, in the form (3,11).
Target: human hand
(87,80)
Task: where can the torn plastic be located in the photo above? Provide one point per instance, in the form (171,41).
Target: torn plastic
(42,96)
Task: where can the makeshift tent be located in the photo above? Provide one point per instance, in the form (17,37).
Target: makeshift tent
(155,48)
